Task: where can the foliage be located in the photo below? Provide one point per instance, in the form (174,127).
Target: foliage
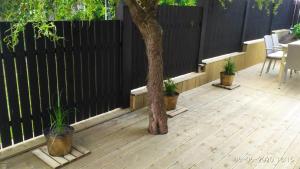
(269,5)
(178,2)
(58,118)
(43,13)
(296,30)
(229,68)
(170,87)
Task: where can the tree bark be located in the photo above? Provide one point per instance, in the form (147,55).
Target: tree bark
(144,16)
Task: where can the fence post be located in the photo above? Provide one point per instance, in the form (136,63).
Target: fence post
(245,22)
(271,18)
(205,5)
(127,57)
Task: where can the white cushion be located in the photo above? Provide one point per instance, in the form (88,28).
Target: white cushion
(276,55)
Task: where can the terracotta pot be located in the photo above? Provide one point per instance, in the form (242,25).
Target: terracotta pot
(171,101)
(59,144)
(226,80)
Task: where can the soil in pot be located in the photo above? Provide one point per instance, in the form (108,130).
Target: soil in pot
(59,144)
(171,101)
(226,80)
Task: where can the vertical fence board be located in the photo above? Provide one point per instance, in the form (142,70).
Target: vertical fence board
(77,67)
(109,67)
(85,68)
(43,80)
(23,88)
(33,79)
(106,68)
(92,74)
(4,119)
(51,60)
(60,60)
(99,60)
(69,70)
(11,87)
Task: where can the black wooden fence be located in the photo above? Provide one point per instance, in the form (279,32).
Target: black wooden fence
(181,33)
(296,13)
(97,63)
(83,68)
(225,29)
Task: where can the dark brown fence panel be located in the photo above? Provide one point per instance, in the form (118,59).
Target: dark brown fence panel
(224,28)
(81,69)
(296,13)
(259,22)
(77,69)
(92,69)
(181,32)
(23,88)
(5,135)
(33,79)
(43,80)
(85,68)
(69,70)
(283,18)
(13,101)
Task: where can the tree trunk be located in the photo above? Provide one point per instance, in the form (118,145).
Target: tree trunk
(144,18)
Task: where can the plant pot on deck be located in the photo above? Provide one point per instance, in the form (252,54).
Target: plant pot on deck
(171,101)
(226,80)
(59,144)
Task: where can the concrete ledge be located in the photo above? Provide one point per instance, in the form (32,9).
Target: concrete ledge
(253,41)
(138,98)
(216,65)
(252,54)
(40,140)
(222,57)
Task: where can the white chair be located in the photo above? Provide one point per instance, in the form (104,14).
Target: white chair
(293,59)
(271,53)
(276,43)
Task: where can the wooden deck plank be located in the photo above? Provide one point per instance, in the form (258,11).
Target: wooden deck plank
(58,159)
(51,162)
(257,119)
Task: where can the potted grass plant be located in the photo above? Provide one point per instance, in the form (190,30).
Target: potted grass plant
(227,77)
(59,137)
(170,95)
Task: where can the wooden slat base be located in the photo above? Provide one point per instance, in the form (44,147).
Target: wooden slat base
(234,86)
(56,162)
(177,111)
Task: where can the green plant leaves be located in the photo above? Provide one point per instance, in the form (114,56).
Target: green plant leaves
(229,67)
(170,87)
(296,30)
(178,2)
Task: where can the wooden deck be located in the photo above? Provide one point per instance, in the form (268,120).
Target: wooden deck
(255,126)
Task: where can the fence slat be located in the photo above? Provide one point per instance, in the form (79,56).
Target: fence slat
(23,88)
(99,66)
(4,120)
(43,80)
(60,60)
(69,70)
(92,74)
(77,68)
(51,60)
(33,79)
(85,68)
(11,87)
